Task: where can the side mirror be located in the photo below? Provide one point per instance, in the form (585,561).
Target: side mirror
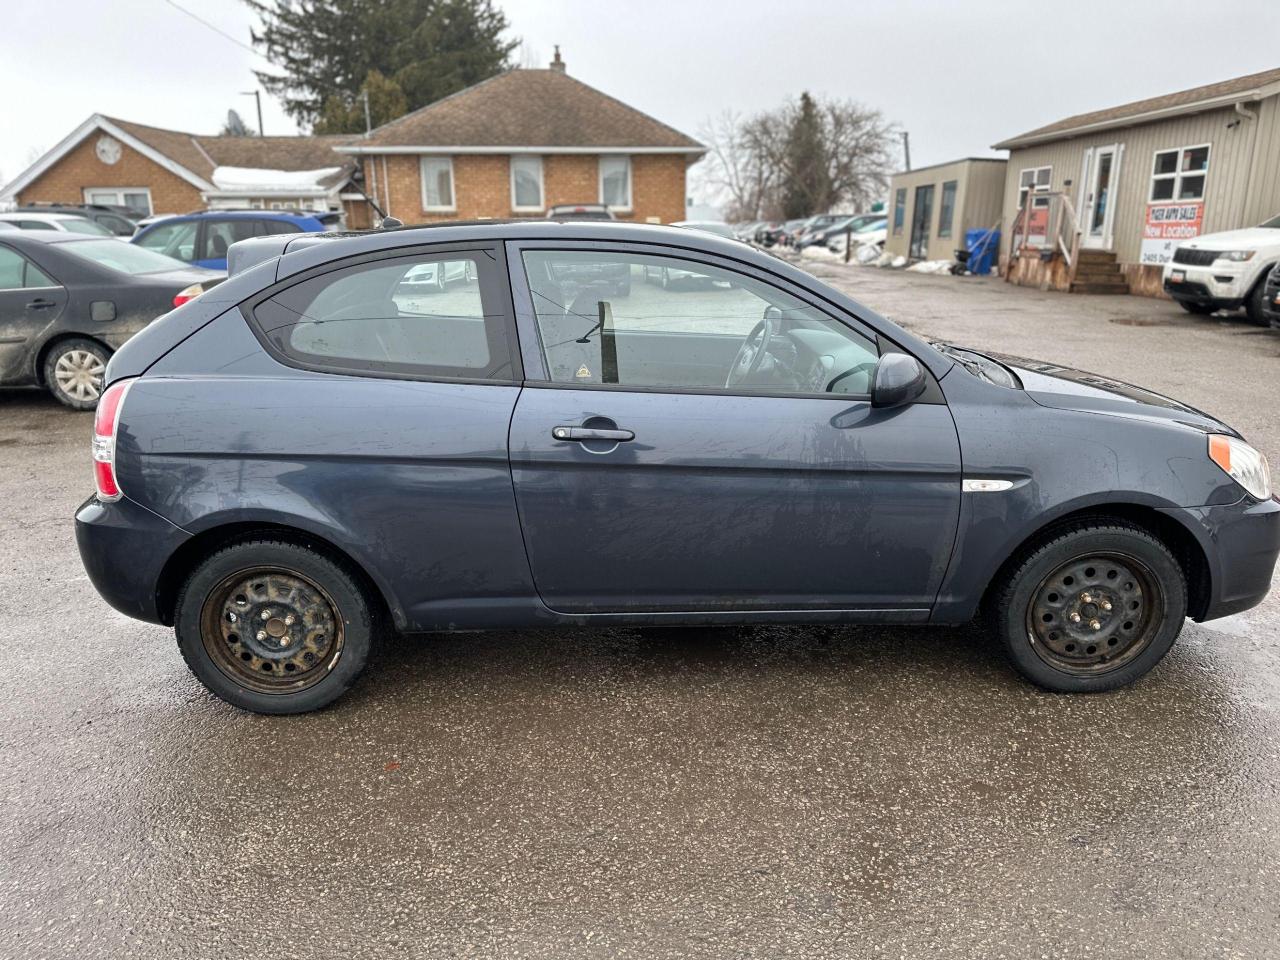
(898,379)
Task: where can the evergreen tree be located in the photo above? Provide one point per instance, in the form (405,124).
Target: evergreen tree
(328,50)
(343,114)
(807,189)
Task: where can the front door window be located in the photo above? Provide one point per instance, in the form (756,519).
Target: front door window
(634,320)
(1101,194)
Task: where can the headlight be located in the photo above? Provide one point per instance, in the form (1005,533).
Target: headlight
(1245,465)
(1237,256)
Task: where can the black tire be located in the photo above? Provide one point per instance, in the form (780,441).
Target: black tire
(1255,305)
(1141,642)
(73,372)
(340,609)
(1199,309)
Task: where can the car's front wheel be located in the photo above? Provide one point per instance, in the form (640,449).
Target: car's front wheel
(1255,305)
(74,370)
(1093,608)
(274,627)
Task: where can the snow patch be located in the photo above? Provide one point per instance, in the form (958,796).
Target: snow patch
(251,178)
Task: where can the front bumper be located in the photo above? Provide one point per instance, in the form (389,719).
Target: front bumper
(1222,285)
(1241,542)
(124,548)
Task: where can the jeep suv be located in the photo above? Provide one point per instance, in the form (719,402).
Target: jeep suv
(1225,271)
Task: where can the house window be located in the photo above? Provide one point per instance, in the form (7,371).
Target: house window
(615,182)
(526,183)
(1180,174)
(1033,179)
(899,210)
(137,199)
(437,183)
(946,212)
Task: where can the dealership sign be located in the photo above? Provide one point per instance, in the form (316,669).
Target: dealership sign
(1168,224)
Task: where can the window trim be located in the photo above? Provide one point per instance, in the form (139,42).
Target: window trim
(542,184)
(499,274)
(1034,187)
(422,183)
(538,376)
(600,165)
(120,192)
(1178,174)
(944,230)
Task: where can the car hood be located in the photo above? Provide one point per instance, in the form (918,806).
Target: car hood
(1066,388)
(1250,238)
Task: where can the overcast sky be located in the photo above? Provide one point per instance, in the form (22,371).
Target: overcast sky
(958,76)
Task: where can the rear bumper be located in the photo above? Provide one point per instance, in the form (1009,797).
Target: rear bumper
(1241,542)
(124,548)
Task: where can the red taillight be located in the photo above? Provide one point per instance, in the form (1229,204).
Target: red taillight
(188,293)
(105,422)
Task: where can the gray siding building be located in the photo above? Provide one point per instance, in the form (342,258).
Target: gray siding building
(932,207)
(1136,179)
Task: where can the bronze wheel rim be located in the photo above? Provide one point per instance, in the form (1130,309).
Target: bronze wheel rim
(271,630)
(1094,614)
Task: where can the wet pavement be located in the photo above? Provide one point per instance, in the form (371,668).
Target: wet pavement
(707,793)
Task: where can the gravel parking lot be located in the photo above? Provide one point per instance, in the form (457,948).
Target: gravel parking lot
(621,793)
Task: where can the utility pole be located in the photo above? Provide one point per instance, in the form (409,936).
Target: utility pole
(906,149)
(257,96)
(368,122)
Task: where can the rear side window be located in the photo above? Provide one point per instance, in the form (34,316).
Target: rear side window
(16,272)
(437,316)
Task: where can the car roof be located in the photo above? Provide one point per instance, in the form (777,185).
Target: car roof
(51,236)
(40,215)
(248,215)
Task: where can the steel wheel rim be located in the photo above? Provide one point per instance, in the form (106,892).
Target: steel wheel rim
(78,374)
(1094,614)
(271,630)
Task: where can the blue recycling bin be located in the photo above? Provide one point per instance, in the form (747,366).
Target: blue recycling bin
(983,245)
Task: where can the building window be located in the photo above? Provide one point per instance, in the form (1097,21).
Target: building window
(1180,174)
(437,183)
(1033,179)
(137,199)
(946,213)
(526,183)
(615,182)
(899,210)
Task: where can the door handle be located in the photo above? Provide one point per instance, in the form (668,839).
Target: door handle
(41,304)
(580,434)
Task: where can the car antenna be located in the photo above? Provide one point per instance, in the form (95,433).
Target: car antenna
(389,223)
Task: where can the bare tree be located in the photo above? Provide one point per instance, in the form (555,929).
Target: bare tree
(806,156)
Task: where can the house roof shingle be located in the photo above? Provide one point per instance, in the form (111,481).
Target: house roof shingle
(201,154)
(529,108)
(1168,102)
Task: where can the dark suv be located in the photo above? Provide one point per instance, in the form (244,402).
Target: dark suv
(309,454)
(1271,298)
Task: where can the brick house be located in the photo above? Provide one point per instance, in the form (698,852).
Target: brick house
(154,170)
(523,141)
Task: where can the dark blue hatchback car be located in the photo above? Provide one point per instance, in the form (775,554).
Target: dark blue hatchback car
(316,451)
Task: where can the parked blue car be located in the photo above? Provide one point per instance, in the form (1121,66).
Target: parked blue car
(203,238)
(315,451)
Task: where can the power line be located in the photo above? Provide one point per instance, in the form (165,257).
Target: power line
(216,29)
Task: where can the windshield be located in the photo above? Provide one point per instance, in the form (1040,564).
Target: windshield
(873,225)
(80,225)
(1273,223)
(124,257)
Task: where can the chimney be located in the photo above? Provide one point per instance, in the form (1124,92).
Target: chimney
(557,63)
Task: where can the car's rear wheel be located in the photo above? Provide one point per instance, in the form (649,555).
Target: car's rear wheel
(1200,309)
(274,627)
(74,370)
(1093,608)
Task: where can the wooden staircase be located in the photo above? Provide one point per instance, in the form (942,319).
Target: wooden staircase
(1098,272)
